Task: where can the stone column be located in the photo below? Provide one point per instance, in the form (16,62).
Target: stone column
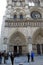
(29,48)
(8,44)
(5,44)
(29,44)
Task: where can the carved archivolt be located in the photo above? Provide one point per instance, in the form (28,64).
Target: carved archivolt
(17,39)
(38,36)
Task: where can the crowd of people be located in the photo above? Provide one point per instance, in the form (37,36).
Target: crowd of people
(12,55)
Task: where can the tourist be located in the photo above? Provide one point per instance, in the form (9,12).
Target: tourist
(32,56)
(28,57)
(12,58)
(0,58)
(5,57)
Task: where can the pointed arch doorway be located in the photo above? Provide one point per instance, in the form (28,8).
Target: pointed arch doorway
(38,41)
(17,40)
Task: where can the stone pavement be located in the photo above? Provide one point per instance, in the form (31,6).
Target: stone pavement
(38,60)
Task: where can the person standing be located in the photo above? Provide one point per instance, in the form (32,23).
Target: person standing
(28,57)
(32,56)
(5,57)
(0,58)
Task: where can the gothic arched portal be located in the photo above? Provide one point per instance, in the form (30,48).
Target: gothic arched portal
(18,43)
(38,41)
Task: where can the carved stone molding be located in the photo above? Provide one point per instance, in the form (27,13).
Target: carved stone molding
(24,23)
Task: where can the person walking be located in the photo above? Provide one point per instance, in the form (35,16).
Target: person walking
(12,58)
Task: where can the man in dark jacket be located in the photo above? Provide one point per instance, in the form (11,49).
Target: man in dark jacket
(28,57)
(12,58)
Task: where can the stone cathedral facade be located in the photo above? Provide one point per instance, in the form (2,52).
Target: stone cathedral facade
(22,27)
